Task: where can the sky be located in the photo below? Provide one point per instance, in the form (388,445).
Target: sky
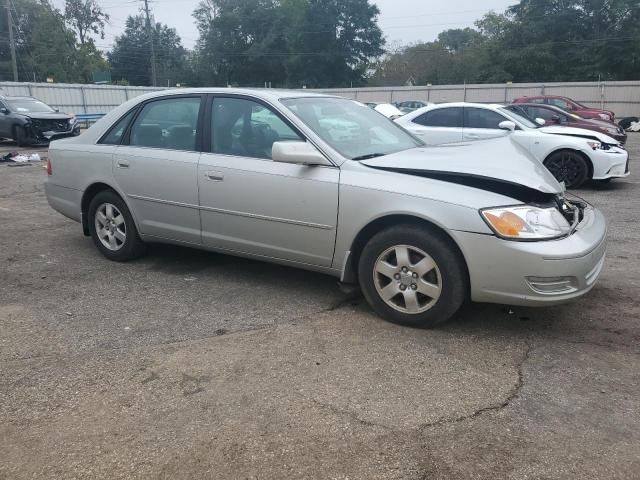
(402,21)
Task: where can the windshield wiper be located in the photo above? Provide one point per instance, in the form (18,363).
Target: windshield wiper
(369,155)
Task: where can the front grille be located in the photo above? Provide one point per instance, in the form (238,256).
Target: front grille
(50,125)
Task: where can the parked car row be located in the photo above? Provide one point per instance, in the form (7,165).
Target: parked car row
(327,184)
(572,155)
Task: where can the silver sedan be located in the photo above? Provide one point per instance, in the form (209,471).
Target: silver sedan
(327,184)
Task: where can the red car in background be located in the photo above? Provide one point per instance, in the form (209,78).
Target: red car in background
(553,115)
(570,106)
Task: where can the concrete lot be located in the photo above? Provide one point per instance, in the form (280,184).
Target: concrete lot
(188,364)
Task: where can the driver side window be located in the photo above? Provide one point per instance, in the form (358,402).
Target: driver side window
(245,128)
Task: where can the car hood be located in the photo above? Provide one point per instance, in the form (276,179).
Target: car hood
(496,159)
(578,132)
(47,116)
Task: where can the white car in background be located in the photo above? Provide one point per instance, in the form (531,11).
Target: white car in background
(573,155)
(386,109)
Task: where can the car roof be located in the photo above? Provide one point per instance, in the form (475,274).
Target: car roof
(466,104)
(265,93)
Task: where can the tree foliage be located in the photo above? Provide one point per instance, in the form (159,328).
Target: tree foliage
(287,42)
(46,47)
(86,18)
(535,40)
(130,57)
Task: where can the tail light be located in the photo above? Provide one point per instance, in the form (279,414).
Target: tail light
(49,167)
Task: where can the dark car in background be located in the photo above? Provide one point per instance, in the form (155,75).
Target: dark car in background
(553,115)
(29,121)
(569,105)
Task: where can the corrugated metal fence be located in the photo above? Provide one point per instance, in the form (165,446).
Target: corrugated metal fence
(621,97)
(75,98)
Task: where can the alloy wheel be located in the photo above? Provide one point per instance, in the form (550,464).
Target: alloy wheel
(110,226)
(566,168)
(407,279)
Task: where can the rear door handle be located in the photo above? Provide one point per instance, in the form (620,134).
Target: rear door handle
(122,164)
(215,176)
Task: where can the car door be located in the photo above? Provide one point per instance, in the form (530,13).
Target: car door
(156,166)
(254,205)
(481,123)
(438,126)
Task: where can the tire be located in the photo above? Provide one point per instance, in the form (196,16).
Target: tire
(119,241)
(20,136)
(432,262)
(568,167)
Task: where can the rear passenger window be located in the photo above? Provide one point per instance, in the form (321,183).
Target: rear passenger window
(169,123)
(481,118)
(114,137)
(442,117)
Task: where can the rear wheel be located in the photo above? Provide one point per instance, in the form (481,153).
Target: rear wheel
(112,228)
(568,167)
(412,276)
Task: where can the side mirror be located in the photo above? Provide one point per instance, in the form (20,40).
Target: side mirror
(507,125)
(301,153)
(4,111)
(556,119)
(541,122)
(57,110)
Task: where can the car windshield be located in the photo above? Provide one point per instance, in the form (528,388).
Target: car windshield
(351,128)
(29,105)
(518,115)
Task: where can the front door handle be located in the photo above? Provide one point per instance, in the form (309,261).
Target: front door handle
(472,136)
(215,176)
(122,164)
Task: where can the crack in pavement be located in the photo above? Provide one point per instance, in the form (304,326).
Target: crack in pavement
(515,392)
(348,413)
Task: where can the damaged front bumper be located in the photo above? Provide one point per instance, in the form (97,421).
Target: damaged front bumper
(536,273)
(43,133)
(610,163)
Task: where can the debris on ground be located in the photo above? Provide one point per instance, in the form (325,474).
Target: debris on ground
(15,157)
(634,127)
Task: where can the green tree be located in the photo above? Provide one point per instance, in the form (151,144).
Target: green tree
(46,47)
(86,18)
(130,57)
(288,42)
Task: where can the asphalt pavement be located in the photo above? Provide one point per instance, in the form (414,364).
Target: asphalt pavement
(188,365)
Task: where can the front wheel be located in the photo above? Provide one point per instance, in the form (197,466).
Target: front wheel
(568,167)
(21,137)
(112,228)
(413,276)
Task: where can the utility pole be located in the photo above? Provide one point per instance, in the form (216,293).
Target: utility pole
(154,79)
(12,43)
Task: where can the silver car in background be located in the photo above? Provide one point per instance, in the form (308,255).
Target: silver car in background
(327,184)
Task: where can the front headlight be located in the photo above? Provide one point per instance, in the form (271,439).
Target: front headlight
(595,145)
(526,222)
(604,116)
(612,131)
